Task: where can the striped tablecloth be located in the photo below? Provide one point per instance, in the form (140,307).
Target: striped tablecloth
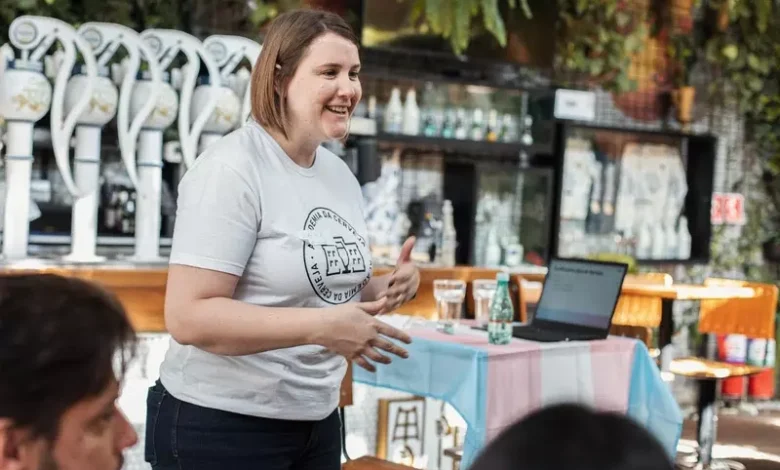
(493,386)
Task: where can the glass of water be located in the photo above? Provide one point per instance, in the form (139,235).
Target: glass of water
(449,295)
(483,291)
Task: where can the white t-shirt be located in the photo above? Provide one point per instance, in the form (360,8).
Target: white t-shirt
(297,238)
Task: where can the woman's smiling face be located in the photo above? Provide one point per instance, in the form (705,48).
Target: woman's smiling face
(325,89)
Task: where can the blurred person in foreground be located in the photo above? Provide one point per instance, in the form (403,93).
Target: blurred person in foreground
(569,436)
(60,341)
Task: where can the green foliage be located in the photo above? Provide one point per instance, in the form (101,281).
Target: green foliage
(746,57)
(453,19)
(137,14)
(682,53)
(598,39)
(747,54)
(265,11)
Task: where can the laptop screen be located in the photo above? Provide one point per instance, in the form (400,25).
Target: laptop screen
(580,293)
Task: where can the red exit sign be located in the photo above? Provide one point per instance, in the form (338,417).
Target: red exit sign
(727,208)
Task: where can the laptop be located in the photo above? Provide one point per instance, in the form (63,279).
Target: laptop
(577,303)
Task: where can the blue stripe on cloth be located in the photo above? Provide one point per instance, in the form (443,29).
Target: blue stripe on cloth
(651,403)
(451,372)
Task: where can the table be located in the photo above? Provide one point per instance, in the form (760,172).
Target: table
(668,294)
(493,386)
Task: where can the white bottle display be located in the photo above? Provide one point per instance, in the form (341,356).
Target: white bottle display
(411,122)
(394,112)
(448,236)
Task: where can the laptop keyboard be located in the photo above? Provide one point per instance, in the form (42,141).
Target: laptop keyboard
(547,335)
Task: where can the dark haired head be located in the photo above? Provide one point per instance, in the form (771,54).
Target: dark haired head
(60,339)
(565,437)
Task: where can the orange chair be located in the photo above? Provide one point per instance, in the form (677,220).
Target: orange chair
(635,315)
(753,317)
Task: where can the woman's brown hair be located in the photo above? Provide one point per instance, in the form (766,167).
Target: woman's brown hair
(285,44)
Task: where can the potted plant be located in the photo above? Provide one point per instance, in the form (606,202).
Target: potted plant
(682,55)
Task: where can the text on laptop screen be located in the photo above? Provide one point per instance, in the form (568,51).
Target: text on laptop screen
(580,293)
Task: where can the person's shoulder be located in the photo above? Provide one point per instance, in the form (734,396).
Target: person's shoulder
(236,147)
(238,150)
(232,157)
(334,165)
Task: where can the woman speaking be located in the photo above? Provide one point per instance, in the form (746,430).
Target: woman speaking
(270,288)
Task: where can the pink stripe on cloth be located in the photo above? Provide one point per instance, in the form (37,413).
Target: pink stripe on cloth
(611,364)
(514,382)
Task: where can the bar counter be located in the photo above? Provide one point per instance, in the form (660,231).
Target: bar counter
(141,286)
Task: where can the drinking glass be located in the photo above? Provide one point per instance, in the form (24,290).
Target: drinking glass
(483,291)
(449,295)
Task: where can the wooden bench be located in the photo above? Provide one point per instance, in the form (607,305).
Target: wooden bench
(373,463)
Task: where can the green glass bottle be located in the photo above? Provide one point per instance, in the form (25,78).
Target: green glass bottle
(502,313)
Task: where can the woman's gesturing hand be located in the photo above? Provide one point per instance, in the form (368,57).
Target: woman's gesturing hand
(352,331)
(405,279)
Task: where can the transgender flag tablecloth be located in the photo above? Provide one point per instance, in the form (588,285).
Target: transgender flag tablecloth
(493,386)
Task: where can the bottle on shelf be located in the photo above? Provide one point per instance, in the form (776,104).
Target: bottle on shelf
(461,131)
(448,124)
(508,131)
(477,125)
(502,313)
(449,240)
(493,126)
(527,138)
(411,119)
(394,112)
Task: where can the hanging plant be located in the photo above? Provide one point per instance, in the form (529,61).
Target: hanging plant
(453,19)
(597,40)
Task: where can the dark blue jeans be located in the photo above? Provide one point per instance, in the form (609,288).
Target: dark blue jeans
(183,436)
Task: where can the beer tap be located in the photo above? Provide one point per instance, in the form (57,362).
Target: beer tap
(105,39)
(25,97)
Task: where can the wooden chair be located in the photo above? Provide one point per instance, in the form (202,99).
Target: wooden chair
(754,318)
(529,291)
(636,316)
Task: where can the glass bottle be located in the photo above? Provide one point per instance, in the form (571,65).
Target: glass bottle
(502,313)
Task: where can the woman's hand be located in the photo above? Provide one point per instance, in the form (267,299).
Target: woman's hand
(405,279)
(352,331)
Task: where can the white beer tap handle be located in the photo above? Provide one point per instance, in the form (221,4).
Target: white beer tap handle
(228,52)
(107,38)
(166,43)
(39,32)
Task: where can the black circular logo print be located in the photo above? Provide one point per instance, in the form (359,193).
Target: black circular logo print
(334,257)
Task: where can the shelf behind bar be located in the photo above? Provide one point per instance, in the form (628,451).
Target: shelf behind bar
(509,150)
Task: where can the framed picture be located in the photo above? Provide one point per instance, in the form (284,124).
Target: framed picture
(401,430)
(641,193)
